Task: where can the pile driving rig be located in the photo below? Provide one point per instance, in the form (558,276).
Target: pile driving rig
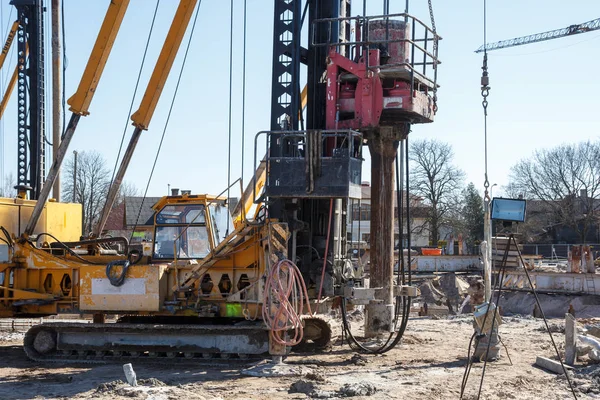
(221,282)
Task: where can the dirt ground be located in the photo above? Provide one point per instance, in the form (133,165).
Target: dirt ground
(429,364)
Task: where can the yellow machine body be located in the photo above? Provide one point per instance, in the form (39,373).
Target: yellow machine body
(62,220)
(227,281)
(144,289)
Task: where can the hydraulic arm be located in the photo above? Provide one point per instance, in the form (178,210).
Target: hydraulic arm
(81,100)
(142,117)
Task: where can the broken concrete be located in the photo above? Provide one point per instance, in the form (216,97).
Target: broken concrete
(269,368)
(550,365)
(357,389)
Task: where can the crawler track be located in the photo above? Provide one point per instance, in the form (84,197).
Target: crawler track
(155,342)
(102,343)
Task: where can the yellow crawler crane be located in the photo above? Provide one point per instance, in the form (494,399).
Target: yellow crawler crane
(210,283)
(195,292)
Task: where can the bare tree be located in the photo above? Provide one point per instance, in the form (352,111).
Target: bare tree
(126,190)
(435,178)
(8,186)
(566,181)
(92,182)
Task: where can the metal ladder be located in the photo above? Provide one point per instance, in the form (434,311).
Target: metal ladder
(590,282)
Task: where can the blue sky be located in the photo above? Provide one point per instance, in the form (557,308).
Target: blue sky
(542,95)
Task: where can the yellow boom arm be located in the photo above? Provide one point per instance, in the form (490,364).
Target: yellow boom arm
(9,41)
(141,118)
(13,78)
(8,92)
(81,100)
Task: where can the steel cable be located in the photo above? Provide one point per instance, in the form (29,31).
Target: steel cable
(230,109)
(64,67)
(135,92)
(187,49)
(243,97)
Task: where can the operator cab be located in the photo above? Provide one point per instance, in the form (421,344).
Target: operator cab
(189,227)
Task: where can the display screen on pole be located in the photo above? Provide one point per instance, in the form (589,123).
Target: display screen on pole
(508,209)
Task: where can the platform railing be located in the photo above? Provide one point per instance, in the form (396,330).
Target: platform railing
(419,38)
(312,146)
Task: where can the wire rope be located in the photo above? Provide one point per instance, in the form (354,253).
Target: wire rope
(64,67)
(137,83)
(230,108)
(244,91)
(162,138)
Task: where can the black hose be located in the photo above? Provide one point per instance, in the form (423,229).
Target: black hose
(394,337)
(392,340)
(67,248)
(8,238)
(136,255)
(120,279)
(468,368)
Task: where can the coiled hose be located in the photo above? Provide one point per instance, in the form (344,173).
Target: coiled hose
(283,303)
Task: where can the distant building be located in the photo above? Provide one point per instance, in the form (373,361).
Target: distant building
(543,224)
(133,213)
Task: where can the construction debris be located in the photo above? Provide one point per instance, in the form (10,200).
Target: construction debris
(430,365)
(357,389)
(130,374)
(550,365)
(570,339)
(270,368)
(303,386)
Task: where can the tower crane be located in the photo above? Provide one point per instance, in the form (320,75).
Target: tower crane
(570,30)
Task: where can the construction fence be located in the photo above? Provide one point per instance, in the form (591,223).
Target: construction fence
(557,251)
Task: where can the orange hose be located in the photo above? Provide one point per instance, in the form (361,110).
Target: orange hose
(283,302)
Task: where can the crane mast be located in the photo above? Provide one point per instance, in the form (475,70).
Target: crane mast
(31,154)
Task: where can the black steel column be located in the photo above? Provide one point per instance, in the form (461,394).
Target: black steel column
(317,56)
(31,168)
(285,95)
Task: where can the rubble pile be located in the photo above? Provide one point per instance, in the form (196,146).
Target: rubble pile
(445,294)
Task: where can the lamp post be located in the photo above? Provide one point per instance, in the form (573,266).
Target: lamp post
(492,190)
(74,198)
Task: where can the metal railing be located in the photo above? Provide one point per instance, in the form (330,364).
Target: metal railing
(420,39)
(344,143)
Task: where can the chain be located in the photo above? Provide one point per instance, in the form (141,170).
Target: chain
(432,23)
(485,84)
(485,92)
(435,47)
